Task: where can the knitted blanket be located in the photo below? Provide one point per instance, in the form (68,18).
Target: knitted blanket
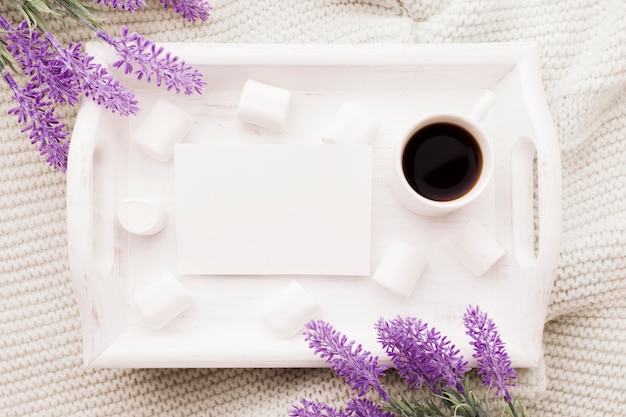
(582,47)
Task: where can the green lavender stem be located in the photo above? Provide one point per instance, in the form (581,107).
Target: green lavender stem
(512,409)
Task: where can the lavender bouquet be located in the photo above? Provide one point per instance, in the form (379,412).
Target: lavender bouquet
(437,377)
(43,73)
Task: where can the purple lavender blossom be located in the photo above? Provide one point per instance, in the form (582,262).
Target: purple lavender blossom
(4,24)
(57,76)
(363,407)
(94,79)
(128,5)
(315,409)
(44,126)
(358,366)
(38,61)
(64,74)
(494,365)
(190,10)
(135,50)
(421,355)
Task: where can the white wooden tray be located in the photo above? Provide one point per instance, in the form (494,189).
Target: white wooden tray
(397,83)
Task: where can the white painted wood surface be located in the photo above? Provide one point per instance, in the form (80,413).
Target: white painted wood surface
(396,84)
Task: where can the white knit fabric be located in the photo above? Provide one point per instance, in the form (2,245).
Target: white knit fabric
(583,55)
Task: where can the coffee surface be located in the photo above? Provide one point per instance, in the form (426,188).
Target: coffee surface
(442,161)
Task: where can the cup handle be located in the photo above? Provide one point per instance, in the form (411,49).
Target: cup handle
(483,106)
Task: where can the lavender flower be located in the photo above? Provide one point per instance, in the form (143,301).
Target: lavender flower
(363,407)
(63,74)
(37,60)
(128,5)
(494,365)
(58,76)
(94,79)
(137,52)
(356,407)
(421,355)
(190,10)
(44,126)
(359,367)
(315,409)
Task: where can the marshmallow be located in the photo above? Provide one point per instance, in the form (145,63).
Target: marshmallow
(141,217)
(165,126)
(351,124)
(400,268)
(289,309)
(476,247)
(264,105)
(162,300)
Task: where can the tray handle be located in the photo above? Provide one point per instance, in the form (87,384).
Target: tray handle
(540,147)
(91,250)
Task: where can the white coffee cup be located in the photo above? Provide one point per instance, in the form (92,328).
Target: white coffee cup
(444,161)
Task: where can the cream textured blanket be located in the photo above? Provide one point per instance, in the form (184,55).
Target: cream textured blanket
(583,54)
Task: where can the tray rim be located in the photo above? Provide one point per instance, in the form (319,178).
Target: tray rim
(101,348)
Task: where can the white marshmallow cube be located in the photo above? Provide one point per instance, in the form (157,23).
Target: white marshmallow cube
(351,125)
(162,300)
(400,268)
(288,310)
(264,105)
(163,127)
(141,217)
(476,247)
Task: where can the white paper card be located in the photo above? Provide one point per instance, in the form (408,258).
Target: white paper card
(273,209)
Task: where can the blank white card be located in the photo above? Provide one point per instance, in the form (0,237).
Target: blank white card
(273,209)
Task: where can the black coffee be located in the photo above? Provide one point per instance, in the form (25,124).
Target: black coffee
(442,161)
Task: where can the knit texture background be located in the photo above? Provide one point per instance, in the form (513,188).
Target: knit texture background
(583,55)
